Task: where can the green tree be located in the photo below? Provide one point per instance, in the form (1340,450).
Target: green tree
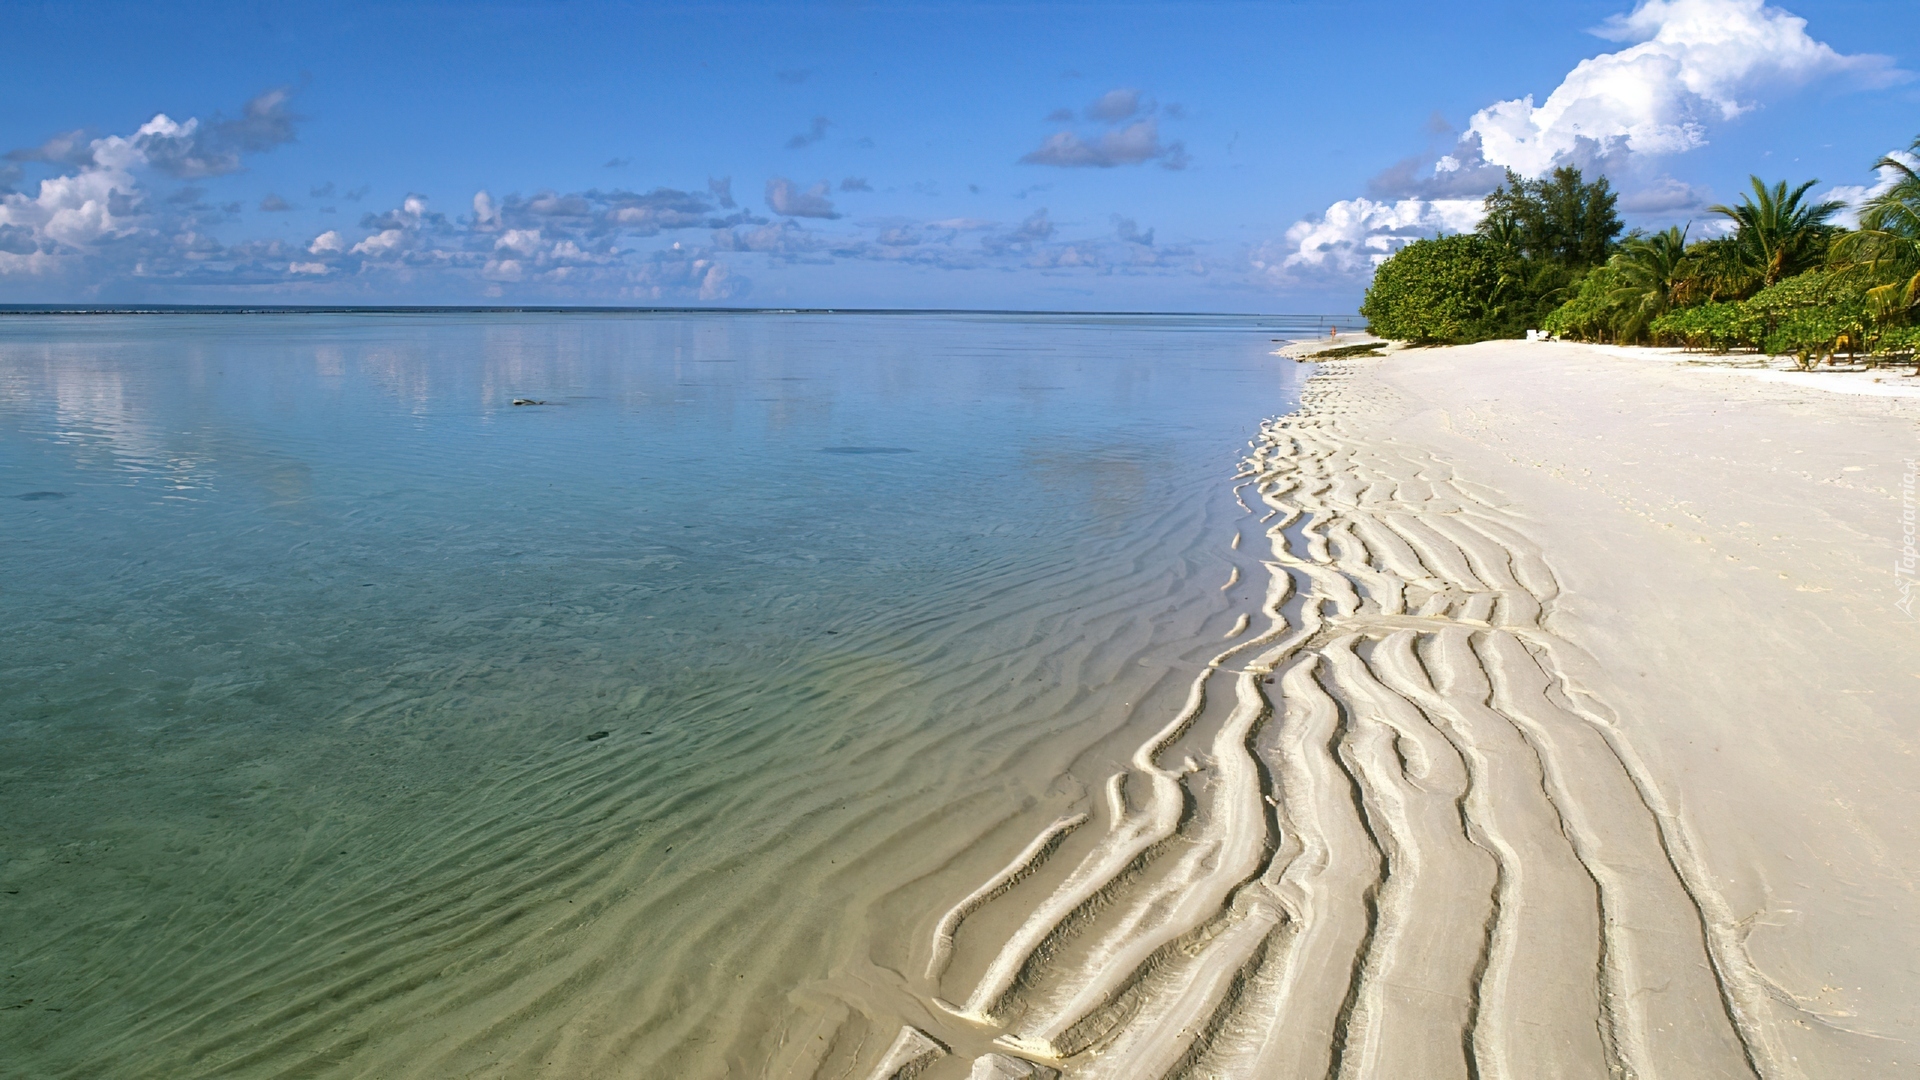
(1715,271)
(1592,312)
(1436,291)
(1810,316)
(1559,219)
(1779,235)
(1646,271)
(1549,232)
(1716,326)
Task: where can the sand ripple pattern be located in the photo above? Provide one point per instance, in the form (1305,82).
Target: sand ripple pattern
(1390,834)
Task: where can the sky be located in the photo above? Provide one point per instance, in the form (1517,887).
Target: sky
(1192,156)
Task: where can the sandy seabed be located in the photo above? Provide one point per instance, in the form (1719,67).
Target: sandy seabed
(1575,737)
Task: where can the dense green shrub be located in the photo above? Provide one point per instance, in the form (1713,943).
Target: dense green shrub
(1442,290)
(1718,327)
(1898,340)
(1810,316)
(1590,314)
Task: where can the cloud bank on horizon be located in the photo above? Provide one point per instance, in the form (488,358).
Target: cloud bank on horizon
(99,220)
(1690,63)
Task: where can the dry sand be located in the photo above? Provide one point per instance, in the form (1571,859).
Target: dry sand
(1574,737)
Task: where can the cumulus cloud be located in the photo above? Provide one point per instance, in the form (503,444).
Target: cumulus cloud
(1693,61)
(786,198)
(784,239)
(1687,64)
(1128,231)
(1132,144)
(485,214)
(17,240)
(814,133)
(1663,196)
(1355,235)
(1037,227)
(1120,142)
(99,217)
(1855,197)
(192,150)
(1114,105)
(682,271)
(73,149)
(94,209)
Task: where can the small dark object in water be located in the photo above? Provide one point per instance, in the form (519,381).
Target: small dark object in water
(833,631)
(527,401)
(865,450)
(36,496)
(597,735)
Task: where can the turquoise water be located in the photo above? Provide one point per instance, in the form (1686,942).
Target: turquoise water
(310,637)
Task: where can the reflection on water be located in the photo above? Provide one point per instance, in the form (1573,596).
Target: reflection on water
(307,628)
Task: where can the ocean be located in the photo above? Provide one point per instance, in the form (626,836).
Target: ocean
(357,721)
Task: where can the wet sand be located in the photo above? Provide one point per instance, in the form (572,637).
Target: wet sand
(1573,734)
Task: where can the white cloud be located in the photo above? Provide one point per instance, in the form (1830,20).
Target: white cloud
(97,201)
(327,243)
(1689,64)
(72,215)
(1694,61)
(520,241)
(1856,196)
(1663,196)
(381,244)
(786,198)
(1133,144)
(1115,105)
(314,268)
(485,214)
(1355,235)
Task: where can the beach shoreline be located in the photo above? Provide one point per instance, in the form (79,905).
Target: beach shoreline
(1573,737)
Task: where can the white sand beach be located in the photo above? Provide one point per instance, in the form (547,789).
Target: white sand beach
(1576,738)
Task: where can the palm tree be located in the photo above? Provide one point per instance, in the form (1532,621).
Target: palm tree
(1648,269)
(1715,271)
(1779,235)
(1888,240)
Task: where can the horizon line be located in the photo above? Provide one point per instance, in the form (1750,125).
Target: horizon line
(589,309)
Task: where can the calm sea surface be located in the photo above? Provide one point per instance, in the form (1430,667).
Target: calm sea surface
(357,722)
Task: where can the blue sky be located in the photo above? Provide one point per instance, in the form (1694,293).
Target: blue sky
(1193,156)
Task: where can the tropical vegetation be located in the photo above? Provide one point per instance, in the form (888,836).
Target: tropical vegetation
(1781,275)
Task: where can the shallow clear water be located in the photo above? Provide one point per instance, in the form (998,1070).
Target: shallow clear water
(306,629)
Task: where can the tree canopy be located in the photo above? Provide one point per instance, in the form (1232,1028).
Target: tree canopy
(1439,290)
(1559,219)
(1785,279)
(1540,237)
